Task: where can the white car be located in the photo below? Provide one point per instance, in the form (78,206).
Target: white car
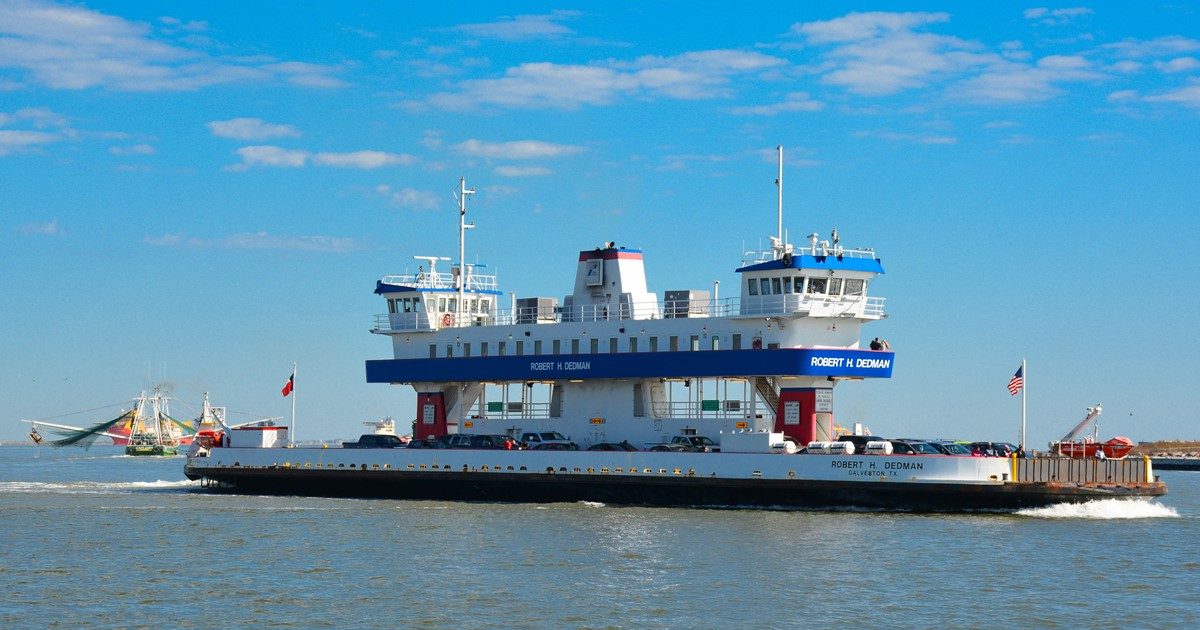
(530,440)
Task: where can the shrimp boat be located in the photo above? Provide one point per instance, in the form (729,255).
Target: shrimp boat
(146,428)
(1090,446)
(635,380)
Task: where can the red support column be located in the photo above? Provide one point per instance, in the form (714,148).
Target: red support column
(796,416)
(431,415)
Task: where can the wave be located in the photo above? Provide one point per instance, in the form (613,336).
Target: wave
(97,487)
(1103,509)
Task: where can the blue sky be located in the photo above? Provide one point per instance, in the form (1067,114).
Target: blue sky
(207,195)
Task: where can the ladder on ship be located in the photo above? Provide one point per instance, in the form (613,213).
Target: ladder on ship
(769,392)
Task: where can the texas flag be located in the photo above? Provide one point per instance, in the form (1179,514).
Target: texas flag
(287,387)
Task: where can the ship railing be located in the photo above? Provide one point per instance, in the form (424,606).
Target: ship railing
(735,409)
(439,280)
(756,306)
(516,410)
(400,322)
(814,305)
(820,249)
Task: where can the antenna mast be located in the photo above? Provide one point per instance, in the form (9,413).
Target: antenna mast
(463,226)
(779,185)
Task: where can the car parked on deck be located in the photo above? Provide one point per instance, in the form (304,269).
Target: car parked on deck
(613,446)
(674,448)
(555,446)
(913,447)
(860,441)
(531,439)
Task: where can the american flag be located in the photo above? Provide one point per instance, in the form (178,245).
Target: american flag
(1017,381)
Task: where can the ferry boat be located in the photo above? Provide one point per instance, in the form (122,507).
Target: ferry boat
(618,367)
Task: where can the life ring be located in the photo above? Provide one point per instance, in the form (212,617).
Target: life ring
(446,319)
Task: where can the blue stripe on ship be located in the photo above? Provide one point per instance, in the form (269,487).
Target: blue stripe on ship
(693,364)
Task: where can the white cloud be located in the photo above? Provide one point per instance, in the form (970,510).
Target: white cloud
(1001,124)
(693,75)
(260,240)
(1158,47)
(136,149)
(855,27)
(1178,64)
(1188,96)
(1055,17)
(37,117)
(882,53)
(1006,81)
(909,138)
(166,240)
(1123,95)
(265,240)
(51,228)
(273,156)
(14,141)
(251,129)
(523,171)
(267,155)
(362,159)
(522,27)
(795,102)
(69,47)
(516,150)
(409,197)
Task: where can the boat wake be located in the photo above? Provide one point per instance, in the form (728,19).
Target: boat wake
(1103,509)
(97,487)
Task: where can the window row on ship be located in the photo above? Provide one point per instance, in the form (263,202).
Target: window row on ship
(613,345)
(812,285)
(474,306)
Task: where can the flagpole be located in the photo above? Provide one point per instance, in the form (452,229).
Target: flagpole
(1024,390)
(294,440)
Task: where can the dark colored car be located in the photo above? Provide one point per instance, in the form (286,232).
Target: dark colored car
(555,446)
(860,441)
(467,440)
(612,446)
(950,447)
(427,443)
(675,448)
(374,440)
(992,449)
(913,447)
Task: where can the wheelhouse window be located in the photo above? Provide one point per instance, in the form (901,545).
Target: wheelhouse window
(817,285)
(775,286)
(764,285)
(752,286)
(798,284)
(484,306)
(417,305)
(787,284)
(854,287)
(835,286)
(442,304)
(391,306)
